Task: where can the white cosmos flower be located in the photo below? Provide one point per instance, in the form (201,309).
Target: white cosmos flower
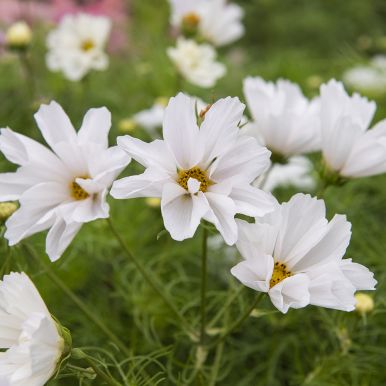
(296,172)
(77,45)
(216,21)
(370,78)
(196,62)
(199,172)
(28,333)
(283,118)
(348,147)
(295,255)
(63,188)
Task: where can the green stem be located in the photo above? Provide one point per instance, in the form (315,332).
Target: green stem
(76,300)
(28,73)
(227,304)
(240,321)
(216,364)
(106,377)
(204,263)
(151,280)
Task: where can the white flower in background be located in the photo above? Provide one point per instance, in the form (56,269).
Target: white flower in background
(151,119)
(196,62)
(295,173)
(28,333)
(295,255)
(365,79)
(216,21)
(63,188)
(77,45)
(347,146)
(284,120)
(370,78)
(199,172)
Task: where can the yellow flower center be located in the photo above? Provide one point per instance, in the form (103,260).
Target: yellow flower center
(191,20)
(196,173)
(87,45)
(280,273)
(77,192)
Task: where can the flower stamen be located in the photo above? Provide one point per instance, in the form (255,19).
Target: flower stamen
(196,173)
(77,192)
(87,45)
(280,272)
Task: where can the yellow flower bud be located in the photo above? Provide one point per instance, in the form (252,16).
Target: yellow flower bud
(18,35)
(153,202)
(126,125)
(364,304)
(6,210)
(163,101)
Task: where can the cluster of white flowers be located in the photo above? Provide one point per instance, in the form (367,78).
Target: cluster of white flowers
(214,22)
(334,123)
(202,169)
(210,165)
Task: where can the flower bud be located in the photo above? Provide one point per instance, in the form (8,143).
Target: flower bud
(6,210)
(153,202)
(364,304)
(126,125)
(18,35)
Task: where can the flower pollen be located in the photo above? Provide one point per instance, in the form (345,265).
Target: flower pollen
(87,45)
(196,173)
(77,192)
(279,273)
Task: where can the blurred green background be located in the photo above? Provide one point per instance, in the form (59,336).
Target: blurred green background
(306,41)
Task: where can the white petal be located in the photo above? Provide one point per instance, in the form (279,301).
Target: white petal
(252,201)
(59,238)
(222,215)
(241,163)
(55,125)
(220,126)
(290,293)
(96,126)
(368,155)
(193,185)
(148,184)
(155,153)
(181,132)
(255,272)
(181,211)
(303,225)
(331,247)
(359,275)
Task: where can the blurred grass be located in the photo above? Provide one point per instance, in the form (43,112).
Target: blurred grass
(305,41)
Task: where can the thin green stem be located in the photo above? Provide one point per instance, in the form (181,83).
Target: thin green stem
(216,364)
(227,304)
(28,72)
(204,263)
(151,280)
(76,300)
(106,377)
(240,321)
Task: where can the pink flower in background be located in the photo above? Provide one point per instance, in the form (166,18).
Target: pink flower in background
(116,10)
(31,11)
